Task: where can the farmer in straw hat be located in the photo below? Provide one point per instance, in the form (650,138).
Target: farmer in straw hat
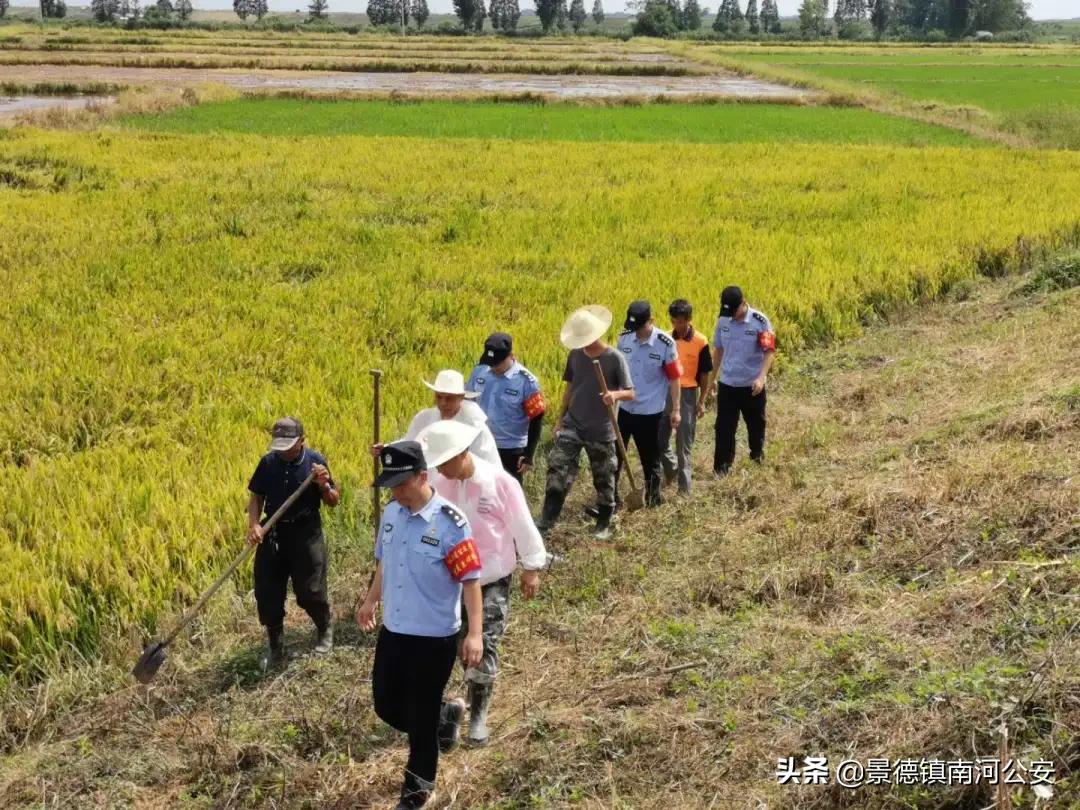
(452,401)
(495,506)
(426,565)
(583,420)
(294,548)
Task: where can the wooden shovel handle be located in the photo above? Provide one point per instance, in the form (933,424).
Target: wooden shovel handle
(193,611)
(614,423)
(376,378)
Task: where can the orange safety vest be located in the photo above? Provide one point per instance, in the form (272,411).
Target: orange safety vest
(689,355)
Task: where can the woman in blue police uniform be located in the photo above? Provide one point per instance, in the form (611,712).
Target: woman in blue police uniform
(425,561)
(512,401)
(744,346)
(294,549)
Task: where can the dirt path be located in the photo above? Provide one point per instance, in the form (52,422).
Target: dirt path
(719,85)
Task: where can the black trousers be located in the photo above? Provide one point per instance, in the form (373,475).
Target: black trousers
(407,683)
(730,402)
(297,553)
(509,459)
(644,430)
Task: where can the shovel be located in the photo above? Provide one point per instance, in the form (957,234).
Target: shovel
(154,654)
(636,498)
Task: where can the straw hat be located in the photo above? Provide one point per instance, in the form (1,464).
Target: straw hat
(584,326)
(449,381)
(445,439)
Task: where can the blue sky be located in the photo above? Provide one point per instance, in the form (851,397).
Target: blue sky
(1039,9)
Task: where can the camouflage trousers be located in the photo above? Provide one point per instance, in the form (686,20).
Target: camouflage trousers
(563,466)
(496,596)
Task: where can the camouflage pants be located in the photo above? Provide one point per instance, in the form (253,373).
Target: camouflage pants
(496,597)
(563,466)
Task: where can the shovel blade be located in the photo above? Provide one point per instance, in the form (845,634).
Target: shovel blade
(149,662)
(635,500)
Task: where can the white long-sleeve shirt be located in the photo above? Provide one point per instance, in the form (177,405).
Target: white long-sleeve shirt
(470,413)
(503,529)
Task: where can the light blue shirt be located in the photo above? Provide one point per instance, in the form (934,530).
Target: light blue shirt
(419,596)
(743,356)
(650,361)
(503,398)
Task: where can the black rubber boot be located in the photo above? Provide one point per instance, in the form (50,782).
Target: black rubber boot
(549,513)
(275,647)
(450,724)
(479,700)
(593,511)
(653,498)
(603,522)
(324,639)
(416,793)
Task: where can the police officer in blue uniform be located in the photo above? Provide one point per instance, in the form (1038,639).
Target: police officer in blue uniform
(294,548)
(744,346)
(656,370)
(511,398)
(426,560)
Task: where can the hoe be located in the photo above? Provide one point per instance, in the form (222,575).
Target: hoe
(154,654)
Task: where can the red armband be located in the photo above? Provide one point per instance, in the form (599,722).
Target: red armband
(674,369)
(463,559)
(534,405)
(766,341)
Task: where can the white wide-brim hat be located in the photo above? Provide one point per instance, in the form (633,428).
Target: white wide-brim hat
(443,440)
(449,381)
(584,326)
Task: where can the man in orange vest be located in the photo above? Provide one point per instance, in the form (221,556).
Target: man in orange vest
(696,360)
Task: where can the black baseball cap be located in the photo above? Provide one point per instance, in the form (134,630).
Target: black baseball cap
(400,462)
(730,300)
(497,348)
(637,315)
(286,433)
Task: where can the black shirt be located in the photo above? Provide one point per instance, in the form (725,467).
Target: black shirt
(275,479)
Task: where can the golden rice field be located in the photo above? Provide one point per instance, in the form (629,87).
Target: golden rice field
(167,296)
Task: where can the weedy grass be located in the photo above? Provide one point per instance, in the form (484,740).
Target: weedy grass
(901,590)
(167,296)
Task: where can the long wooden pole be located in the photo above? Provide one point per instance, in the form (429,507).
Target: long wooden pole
(376,377)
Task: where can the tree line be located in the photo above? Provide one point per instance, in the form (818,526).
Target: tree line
(847,19)
(911,18)
(503,14)
(105,11)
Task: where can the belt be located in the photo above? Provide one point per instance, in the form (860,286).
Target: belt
(306,516)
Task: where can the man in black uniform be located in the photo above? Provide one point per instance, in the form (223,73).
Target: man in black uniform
(294,548)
